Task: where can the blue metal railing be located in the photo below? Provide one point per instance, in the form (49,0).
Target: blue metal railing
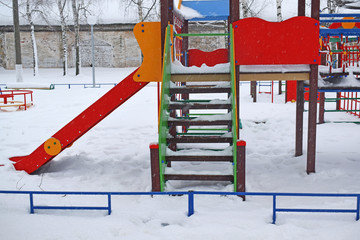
(329,18)
(191,196)
(86,85)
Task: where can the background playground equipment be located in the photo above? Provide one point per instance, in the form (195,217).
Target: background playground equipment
(20,99)
(340,44)
(346,100)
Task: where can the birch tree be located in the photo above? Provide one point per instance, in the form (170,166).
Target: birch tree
(245,8)
(61,7)
(278,10)
(279,19)
(29,17)
(75,4)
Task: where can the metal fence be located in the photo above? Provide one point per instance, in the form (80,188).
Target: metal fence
(191,195)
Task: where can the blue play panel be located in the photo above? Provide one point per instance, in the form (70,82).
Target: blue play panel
(210,9)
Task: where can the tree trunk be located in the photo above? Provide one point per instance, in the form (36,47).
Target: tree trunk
(140,8)
(278,12)
(33,39)
(35,52)
(75,9)
(61,5)
(245,8)
(19,76)
(279,19)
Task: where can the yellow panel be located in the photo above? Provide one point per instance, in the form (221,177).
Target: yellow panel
(148,35)
(211,77)
(52,146)
(274,76)
(348,25)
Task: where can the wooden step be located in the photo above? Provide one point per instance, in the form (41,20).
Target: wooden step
(199,139)
(202,89)
(229,178)
(199,158)
(188,122)
(200,77)
(174,105)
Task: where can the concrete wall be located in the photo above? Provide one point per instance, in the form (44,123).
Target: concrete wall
(115,45)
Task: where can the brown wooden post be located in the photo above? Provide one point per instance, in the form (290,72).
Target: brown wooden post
(299,101)
(253,90)
(164,22)
(171,11)
(338,95)
(185,41)
(280,87)
(314,69)
(155,167)
(322,108)
(240,167)
(234,15)
(299,125)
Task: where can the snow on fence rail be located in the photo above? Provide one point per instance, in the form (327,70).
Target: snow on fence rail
(191,196)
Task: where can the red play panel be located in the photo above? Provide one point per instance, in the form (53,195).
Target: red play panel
(197,57)
(294,41)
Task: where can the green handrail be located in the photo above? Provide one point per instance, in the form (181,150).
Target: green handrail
(200,34)
(234,107)
(164,106)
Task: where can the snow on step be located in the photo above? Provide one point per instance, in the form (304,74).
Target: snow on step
(200,152)
(178,68)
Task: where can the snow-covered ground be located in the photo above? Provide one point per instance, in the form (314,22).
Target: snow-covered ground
(114,156)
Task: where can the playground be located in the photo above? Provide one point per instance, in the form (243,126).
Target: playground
(170,168)
(120,162)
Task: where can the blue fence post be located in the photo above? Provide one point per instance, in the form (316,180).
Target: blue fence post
(109,203)
(190,203)
(31,203)
(357,208)
(274,209)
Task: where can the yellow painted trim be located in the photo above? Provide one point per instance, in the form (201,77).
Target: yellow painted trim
(209,77)
(234,71)
(148,35)
(274,76)
(162,75)
(179,5)
(52,146)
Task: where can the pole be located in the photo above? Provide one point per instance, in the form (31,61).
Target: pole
(18,65)
(93,54)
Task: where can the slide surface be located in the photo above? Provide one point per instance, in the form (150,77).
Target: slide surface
(66,136)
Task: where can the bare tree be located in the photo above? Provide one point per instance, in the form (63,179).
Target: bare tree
(29,15)
(75,4)
(34,9)
(145,9)
(332,5)
(61,7)
(245,8)
(278,10)
(80,8)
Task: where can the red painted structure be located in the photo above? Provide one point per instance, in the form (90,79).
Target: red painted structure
(350,103)
(8,98)
(82,123)
(197,57)
(276,42)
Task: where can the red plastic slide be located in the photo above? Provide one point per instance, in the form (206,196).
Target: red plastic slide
(79,125)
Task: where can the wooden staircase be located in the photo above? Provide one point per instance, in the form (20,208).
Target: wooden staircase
(198,117)
(198,127)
